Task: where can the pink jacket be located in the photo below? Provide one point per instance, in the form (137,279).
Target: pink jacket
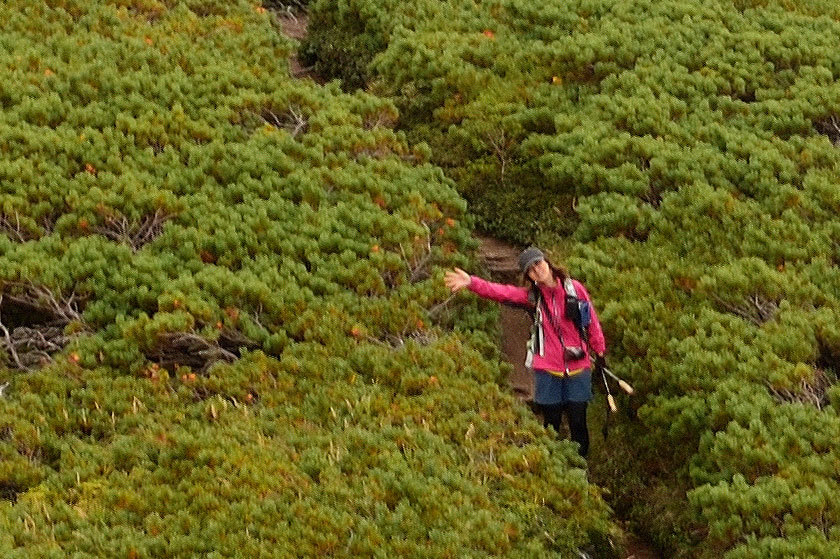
(552,360)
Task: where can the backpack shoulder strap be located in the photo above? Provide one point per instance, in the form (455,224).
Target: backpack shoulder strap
(534,297)
(569,287)
(580,323)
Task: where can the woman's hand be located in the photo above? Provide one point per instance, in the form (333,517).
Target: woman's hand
(456,279)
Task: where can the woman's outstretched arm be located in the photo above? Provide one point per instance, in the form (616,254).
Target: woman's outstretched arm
(458,279)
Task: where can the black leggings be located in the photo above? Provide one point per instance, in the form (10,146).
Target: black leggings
(576,414)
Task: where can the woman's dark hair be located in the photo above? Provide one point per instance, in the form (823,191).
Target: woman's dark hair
(560,274)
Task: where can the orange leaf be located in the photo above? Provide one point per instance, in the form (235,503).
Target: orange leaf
(232,312)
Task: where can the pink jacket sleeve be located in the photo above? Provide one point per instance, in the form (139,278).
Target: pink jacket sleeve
(499,292)
(596,334)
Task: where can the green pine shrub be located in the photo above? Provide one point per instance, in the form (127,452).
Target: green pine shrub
(250,349)
(682,157)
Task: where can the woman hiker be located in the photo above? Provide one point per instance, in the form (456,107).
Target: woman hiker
(559,351)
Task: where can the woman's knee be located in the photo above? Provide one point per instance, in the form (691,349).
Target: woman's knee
(552,414)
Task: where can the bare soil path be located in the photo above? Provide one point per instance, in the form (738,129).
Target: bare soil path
(501,261)
(294,26)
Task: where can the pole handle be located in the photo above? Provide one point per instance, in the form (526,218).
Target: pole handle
(624,386)
(611,401)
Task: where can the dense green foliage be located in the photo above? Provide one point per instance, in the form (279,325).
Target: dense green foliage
(685,152)
(250,353)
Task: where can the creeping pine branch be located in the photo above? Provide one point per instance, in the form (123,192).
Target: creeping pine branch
(137,235)
(290,13)
(29,347)
(807,393)
(194,350)
(295,122)
(256,314)
(501,146)
(830,127)
(440,306)
(10,347)
(756,309)
(33,338)
(298,119)
(12,228)
(383,118)
(63,309)
(288,6)
(418,267)
(200,346)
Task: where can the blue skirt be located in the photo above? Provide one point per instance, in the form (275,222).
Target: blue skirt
(554,389)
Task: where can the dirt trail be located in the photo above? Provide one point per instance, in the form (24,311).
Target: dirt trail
(501,260)
(294,26)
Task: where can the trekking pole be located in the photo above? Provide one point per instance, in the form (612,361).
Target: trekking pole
(624,385)
(610,399)
(612,407)
(600,365)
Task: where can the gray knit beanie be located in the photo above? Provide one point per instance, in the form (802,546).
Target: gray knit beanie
(529,257)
